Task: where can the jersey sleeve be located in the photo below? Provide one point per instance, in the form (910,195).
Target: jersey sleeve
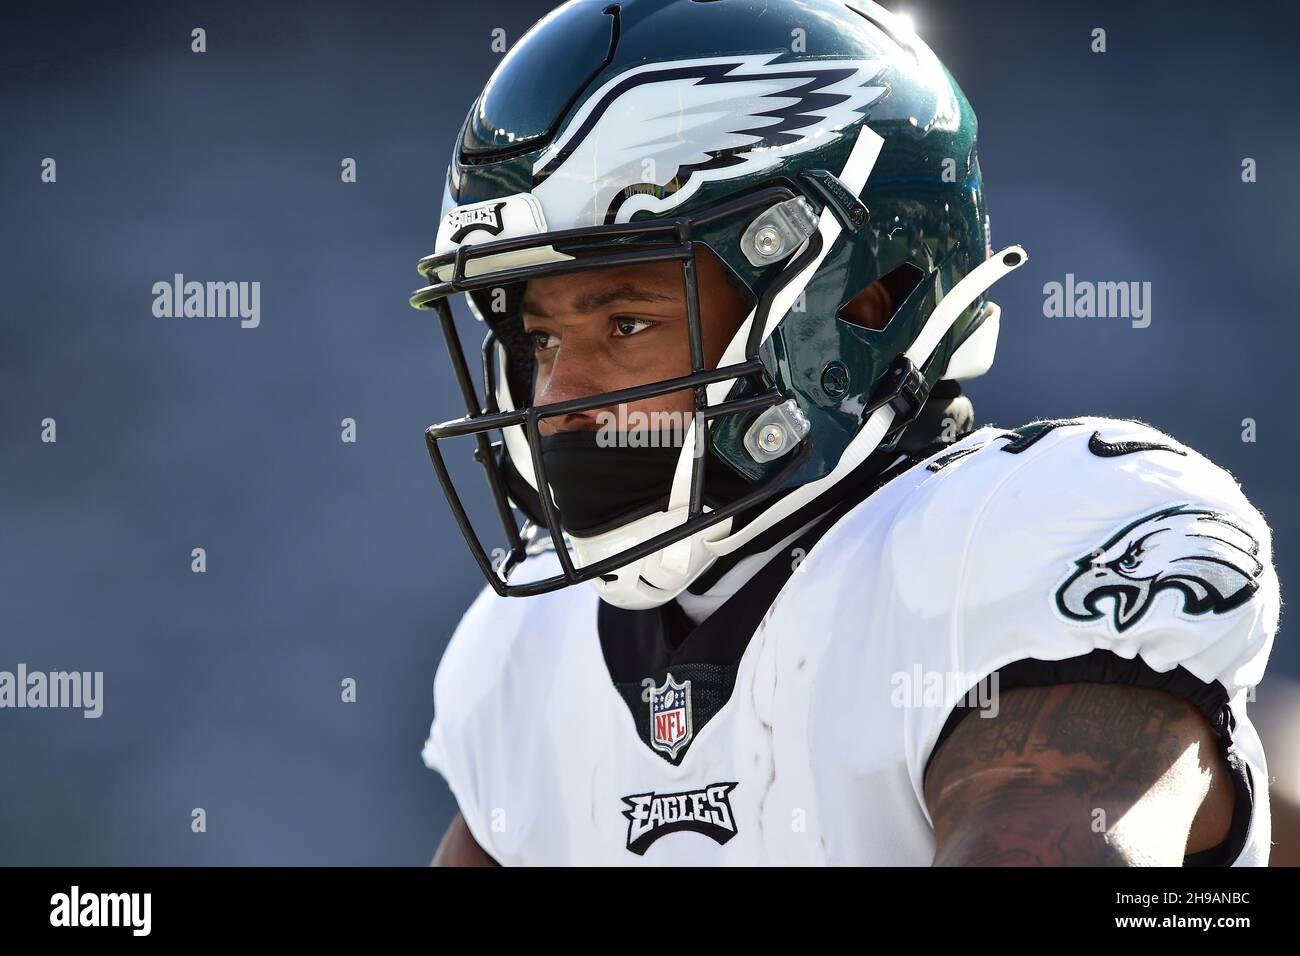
(463,691)
(1094,551)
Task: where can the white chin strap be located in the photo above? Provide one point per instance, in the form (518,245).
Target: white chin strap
(661,576)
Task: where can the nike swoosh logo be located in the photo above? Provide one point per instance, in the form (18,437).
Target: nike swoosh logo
(1114,449)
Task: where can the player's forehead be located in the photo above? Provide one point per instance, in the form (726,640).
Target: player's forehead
(656,284)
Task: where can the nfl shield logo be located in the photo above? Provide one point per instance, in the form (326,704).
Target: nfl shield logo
(670,716)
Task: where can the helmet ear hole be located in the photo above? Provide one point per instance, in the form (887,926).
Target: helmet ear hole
(520,367)
(873,307)
(498,308)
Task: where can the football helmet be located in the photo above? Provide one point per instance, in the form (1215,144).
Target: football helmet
(814,147)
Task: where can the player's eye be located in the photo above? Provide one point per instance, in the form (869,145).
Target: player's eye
(626,325)
(541,339)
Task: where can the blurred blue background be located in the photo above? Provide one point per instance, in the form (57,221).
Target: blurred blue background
(328,560)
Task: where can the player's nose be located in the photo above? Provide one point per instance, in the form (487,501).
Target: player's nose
(568,377)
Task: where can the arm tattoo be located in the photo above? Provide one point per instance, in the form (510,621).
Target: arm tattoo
(1096,721)
(1045,781)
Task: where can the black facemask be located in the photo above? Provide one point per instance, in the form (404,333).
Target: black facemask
(599,481)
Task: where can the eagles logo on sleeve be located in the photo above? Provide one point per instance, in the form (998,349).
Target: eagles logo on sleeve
(1200,553)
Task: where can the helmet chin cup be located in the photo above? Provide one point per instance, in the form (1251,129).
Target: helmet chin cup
(655,578)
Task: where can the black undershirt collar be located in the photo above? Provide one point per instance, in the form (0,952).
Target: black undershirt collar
(643,647)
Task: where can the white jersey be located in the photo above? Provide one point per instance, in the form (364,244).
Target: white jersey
(1089,550)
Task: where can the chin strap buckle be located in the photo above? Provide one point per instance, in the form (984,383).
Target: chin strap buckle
(904,390)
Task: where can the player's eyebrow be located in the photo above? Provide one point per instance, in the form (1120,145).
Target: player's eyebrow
(594,301)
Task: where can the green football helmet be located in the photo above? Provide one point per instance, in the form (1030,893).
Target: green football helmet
(814,147)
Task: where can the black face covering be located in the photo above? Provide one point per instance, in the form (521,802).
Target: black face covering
(599,481)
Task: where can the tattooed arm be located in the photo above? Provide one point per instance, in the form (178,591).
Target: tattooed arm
(1079,775)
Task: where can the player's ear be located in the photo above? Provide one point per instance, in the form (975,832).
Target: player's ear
(874,306)
(871,308)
